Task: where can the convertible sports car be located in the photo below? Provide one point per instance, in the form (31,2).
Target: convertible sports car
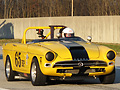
(45,59)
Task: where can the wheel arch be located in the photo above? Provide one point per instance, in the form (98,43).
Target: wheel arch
(38,81)
(38,61)
(34,57)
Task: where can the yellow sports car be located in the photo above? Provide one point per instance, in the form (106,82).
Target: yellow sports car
(64,56)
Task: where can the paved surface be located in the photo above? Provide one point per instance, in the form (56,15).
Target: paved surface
(91,84)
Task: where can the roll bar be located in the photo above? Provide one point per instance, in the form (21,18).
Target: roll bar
(51,33)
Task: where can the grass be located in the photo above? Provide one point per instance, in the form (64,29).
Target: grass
(113,46)
(2,41)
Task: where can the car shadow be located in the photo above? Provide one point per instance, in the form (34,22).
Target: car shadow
(78,82)
(85,81)
(117,77)
(1,56)
(89,80)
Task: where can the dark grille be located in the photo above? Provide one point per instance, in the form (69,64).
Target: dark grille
(79,63)
(81,70)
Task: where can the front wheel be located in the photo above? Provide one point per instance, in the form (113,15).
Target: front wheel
(9,73)
(108,79)
(37,77)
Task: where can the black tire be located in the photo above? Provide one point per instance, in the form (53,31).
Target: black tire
(9,73)
(108,79)
(37,77)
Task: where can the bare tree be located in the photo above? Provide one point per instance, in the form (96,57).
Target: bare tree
(50,8)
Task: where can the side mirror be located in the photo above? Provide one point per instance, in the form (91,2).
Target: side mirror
(58,35)
(89,38)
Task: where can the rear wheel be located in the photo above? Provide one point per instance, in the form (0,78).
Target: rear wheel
(107,79)
(37,77)
(10,74)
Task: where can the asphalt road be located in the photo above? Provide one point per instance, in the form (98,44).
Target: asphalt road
(87,84)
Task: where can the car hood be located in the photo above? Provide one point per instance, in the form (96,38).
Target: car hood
(92,49)
(73,50)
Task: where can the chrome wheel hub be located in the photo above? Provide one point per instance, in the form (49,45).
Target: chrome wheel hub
(33,72)
(8,68)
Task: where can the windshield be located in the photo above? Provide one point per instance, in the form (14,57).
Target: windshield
(61,39)
(73,39)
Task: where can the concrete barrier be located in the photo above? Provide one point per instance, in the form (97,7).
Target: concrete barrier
(101,28)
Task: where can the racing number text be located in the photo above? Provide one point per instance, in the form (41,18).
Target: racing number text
(18,61)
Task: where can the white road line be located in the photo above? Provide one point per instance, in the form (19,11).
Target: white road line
(3,89)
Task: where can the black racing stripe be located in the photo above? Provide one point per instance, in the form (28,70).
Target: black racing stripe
(78,52)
